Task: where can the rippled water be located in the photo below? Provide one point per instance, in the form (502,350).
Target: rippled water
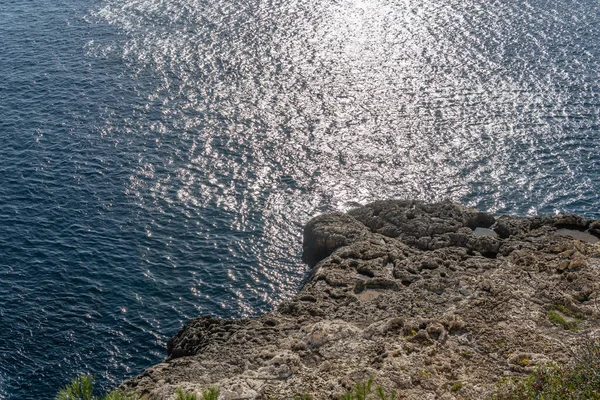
(159,158)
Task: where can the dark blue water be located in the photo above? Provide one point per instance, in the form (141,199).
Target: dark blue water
(159,158)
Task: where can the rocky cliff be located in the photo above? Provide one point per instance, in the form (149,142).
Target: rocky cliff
(436,301)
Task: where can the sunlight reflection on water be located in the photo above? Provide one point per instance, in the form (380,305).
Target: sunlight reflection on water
(170,168)
(276,111)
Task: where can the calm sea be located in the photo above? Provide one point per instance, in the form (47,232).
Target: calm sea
(158,158)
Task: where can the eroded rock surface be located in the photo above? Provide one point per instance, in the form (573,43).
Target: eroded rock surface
(404,292)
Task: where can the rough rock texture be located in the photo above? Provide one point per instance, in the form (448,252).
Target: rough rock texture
(415,295)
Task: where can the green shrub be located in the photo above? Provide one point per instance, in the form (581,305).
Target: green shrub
(211,393)
(363,391)
(120,395)
(82,388)
(557,319)
(456,387)
(382,395)
(180,395)
(578,381)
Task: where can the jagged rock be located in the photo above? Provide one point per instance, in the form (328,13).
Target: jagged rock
(405,292)
(325,233)
(595,228)
(199,333)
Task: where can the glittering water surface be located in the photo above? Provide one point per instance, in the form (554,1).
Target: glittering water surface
(159,158)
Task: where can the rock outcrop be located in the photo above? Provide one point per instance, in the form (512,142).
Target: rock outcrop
(436,301)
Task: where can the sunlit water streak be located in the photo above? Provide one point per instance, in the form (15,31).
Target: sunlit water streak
(161,157)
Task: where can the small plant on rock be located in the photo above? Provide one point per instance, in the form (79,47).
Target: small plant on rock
(578,381)
(456,387)
(82,388)
(212,393)
(363,391)
(382,395)
(181,395)
(557,319)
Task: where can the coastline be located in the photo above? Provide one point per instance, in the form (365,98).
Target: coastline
(421,297)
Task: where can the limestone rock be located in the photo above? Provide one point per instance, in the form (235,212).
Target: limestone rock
(407,293)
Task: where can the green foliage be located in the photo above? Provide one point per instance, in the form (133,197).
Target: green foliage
(363,391)
(566,311)
(382,395)
(211,393)
(557,316)
(180,395)
(456,387)
(579,381)
(82,388)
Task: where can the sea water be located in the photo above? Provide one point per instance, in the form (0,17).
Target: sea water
(158,158)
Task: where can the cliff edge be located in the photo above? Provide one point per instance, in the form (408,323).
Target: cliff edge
(436,301)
